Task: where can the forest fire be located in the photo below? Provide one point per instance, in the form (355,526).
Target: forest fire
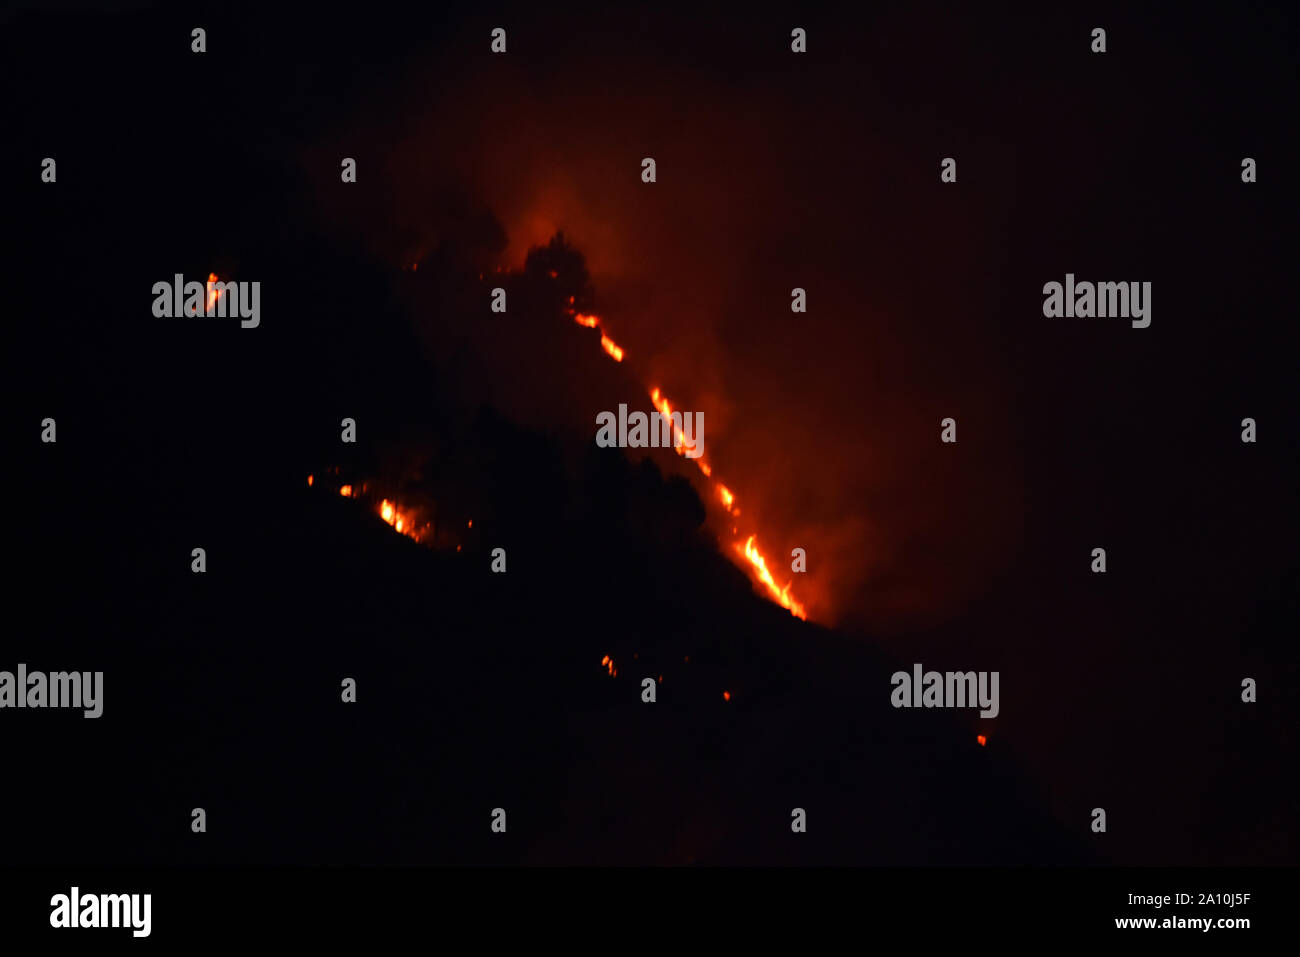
(405,520)
(754,560)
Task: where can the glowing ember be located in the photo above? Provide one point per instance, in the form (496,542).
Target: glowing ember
(981,739)
(726,696)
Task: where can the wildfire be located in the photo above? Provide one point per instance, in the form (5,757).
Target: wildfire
(748,550)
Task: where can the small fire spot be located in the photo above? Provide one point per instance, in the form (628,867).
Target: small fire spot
(981,739)
(309,481)
(726,696)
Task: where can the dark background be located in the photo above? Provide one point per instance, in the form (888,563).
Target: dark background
(476,690)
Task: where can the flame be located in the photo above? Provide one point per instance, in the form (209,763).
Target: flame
(309,481)
(608,662)
(780,595)
(403,520)
(726,696)
(608,345)
(213,294)
(981,739)
(757,564)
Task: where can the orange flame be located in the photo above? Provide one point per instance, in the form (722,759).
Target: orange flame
(608,345)
(780,595)
(981,739)
(401,519)
(584,320)
(213,294)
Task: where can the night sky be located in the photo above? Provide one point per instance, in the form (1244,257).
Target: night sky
(775,170)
